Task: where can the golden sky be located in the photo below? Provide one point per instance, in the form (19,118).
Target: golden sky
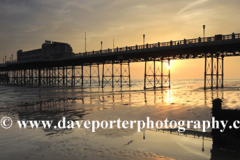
(26,24)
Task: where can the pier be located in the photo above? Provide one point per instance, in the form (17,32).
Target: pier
(83,68)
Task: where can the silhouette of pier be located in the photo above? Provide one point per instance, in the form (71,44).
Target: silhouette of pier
(83,68)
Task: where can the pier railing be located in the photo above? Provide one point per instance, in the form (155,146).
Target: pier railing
(165,44)
(205,40)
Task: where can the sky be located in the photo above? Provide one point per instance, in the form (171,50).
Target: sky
(26,24)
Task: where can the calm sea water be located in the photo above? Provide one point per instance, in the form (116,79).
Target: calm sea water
(185,100)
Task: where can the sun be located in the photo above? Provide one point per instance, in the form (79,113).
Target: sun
(170,65)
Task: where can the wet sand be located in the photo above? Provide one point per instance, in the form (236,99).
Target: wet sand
(184,101)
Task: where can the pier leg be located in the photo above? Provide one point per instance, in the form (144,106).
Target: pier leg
(93,72)
(222,70)
(32,77)
(63,71)
(98,75)
(103,76)
(35,76)
(24,77)
(112,74)
(169,78)
(52,76)
(82,75)
(90,75)
(145,75)
(14,76)
(121,74)
(129,78)
(58,77)
(157,74)
(47,75)
(21,77)
(7,78)
(217,71)
(212,71)
(1,77)
(213,74)
(205,73)
(154,73)
(73,76)
(55,76)
(39,76)
(66,75)
(77,75)
(118,73)
(17,78)
(161,73)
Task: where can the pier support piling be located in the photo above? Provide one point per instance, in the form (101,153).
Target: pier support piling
(116,74)
(213,71)
(157,73)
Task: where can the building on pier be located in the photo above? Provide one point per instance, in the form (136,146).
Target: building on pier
(49,50)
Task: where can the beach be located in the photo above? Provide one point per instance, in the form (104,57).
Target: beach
(185,100)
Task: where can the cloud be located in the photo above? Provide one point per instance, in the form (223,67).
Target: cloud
(192,5)
(26,24)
